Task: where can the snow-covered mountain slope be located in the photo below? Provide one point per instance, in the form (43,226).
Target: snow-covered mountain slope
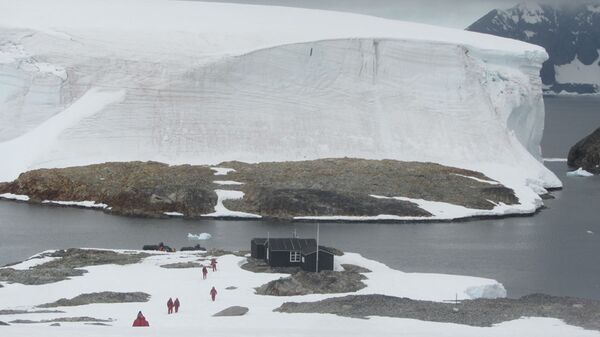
(570,33)
(187,82)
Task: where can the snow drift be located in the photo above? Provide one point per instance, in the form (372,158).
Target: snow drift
(84,82)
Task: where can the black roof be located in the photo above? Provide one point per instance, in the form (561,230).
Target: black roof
(313,249)
(291,244)
(259,240)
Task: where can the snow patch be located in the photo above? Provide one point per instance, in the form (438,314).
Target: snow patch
(85,204)
(173,213)
(529,34)
(227,182)
(222,211)
(491,182)
(11,196)
(577,72)
(580,172)
(33,261)
(222,171)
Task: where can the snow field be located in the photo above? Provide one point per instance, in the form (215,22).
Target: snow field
(196,310)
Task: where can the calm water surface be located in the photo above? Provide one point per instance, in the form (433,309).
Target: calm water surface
(551,252)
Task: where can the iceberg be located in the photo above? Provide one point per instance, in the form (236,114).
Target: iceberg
(580,172)
(204,83)
(201,236)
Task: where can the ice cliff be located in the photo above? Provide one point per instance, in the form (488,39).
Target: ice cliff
(188,82)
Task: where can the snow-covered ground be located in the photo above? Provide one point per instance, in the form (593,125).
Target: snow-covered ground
(579,72)
(202,83)
(195,314)
(84,204)
(438,210)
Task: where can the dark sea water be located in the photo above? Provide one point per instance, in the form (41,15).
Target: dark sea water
(551,252)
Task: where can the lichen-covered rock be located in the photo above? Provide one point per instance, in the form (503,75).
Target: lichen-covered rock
(586,153)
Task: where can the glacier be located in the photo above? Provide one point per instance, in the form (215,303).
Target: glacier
(91,81)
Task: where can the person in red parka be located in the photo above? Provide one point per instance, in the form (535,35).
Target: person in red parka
(140,320)
(213,293)
(204,272)
(170,305)
(176,304)
(213,264)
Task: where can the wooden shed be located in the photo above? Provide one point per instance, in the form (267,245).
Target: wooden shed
(309,259)
(257,248)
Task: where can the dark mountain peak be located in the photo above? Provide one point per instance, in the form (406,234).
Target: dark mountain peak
(569,32)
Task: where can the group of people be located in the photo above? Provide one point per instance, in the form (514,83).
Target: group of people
(213,265)
(141,321)
(173,305)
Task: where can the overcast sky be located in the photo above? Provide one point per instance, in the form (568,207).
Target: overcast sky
(450,13)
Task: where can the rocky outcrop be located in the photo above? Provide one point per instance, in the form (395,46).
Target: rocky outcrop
(344,187)
(27,312)
(586,153)
(181,265)
(232,311)
(324,187)
(131,188)
(62,319)
(480,312)
(304,283)
(355,269)
(67,265)
(101,297)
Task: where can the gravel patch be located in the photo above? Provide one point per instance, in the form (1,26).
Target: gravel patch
(480,312)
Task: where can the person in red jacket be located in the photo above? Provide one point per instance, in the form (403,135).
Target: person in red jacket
(140,320)
(176,304)
(213,293)
(204,272)
(170,305)
(213,264)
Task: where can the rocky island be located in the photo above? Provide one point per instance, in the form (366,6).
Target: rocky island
(586,153)
(345,188)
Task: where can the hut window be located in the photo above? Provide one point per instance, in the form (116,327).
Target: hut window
(294,256)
